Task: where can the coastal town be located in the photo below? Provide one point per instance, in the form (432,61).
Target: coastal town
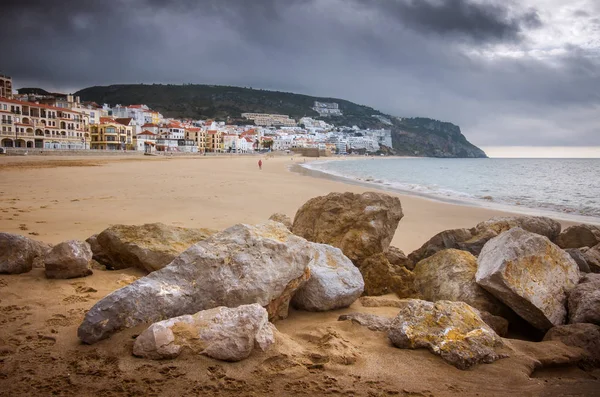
(64,122)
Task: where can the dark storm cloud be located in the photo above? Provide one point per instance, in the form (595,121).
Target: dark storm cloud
(477,21)
(424,58)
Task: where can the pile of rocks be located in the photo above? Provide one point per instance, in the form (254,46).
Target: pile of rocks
(216,293)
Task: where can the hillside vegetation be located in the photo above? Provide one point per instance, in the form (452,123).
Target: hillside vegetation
(410,136)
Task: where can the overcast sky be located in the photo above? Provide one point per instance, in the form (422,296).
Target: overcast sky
(508,72)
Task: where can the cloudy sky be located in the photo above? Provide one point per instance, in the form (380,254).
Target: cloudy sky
(514,73)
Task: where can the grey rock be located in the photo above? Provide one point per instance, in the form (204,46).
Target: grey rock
(578,256)
(578,236)
(148,247)
(452,330)
(228,334)
(371,321)
(282,218)
(441,241)
(244,264)
(584,301)
(98,253)
(334,281)
(18,254)
(361,225)
(69,259)
(530,274)
(584,336)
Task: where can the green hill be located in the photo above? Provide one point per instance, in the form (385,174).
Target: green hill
(410,136)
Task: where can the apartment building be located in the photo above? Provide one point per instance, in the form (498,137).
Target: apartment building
(35,125)
(5,87)
(111,134)
(199,136)
(269,120)
(214,141)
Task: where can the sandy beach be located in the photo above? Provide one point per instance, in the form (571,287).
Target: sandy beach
(73,198)
(56,199)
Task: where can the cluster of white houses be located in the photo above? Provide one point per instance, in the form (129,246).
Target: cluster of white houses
(64,122)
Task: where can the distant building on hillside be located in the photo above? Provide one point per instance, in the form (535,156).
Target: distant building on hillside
(5,86)
(269,120)
(327,109)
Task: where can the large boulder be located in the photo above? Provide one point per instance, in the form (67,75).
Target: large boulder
(441,241)
(98,253)
(282,218)
(334,281)
(530,274)
(450,275)
(584,301)
(578,236)
(473,240)
(584,336)
(69,259)
(18,253)
(452,330)
(243,264)
(592,257)
(381,277)
(361,225)
(148,247)
(221,333)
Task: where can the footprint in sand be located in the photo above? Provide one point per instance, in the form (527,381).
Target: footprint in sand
(12,313)
(58,320)
(75,299)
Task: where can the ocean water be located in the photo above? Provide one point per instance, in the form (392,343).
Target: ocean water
(564,188)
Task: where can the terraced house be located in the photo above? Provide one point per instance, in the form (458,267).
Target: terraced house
(34,125)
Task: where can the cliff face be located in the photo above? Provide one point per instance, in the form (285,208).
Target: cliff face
(432,138)
(410,136)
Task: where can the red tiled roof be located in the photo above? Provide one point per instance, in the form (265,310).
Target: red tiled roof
(124,120)
(149,125)
(37,105)
(104,120)
(146,132)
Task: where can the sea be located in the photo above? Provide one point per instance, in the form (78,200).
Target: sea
(566,189)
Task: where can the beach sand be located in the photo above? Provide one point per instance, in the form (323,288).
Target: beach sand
(55,199)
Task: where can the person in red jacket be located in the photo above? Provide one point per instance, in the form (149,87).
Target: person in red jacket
(260,164)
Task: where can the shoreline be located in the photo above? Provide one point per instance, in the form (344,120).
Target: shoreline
(517,210)
(58,199)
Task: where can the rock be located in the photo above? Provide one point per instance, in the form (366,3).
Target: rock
(578,255)
(473,240)
(450,275)
(334,281)
(534,224)
(361,225)
(397,258)
(584,301)
(584,336)
(371,321)
(98,253)
(243,264)
(148,247)
(452,330)
(18,253)
(578,236)
(282,218)
(221,333)
(497,323)
(441,241)
(592,257)
(381,277)
(69,259)
(530,274)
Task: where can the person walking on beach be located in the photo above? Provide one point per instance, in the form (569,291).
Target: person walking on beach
(260,164)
